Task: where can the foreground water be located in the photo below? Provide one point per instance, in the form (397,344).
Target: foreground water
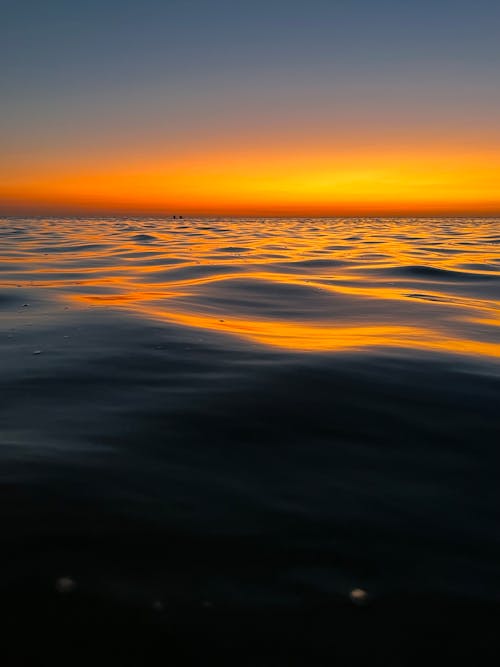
(204,419)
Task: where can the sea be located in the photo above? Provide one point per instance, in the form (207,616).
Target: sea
(252,442)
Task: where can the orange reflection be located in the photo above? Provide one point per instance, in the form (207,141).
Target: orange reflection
(303,285)
(321,338)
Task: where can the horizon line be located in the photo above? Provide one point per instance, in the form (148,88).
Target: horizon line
(182,216)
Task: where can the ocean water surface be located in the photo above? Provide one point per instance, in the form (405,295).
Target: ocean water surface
(208,420)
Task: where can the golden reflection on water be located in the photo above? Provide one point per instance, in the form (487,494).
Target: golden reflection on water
(304,285)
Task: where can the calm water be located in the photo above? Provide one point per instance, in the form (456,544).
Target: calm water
(206,417)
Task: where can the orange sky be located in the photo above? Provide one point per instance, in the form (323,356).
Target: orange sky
(262,108)
(416,181)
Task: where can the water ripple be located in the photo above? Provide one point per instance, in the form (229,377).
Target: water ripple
(322,290)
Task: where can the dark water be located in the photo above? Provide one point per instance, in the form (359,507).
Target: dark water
(217,430)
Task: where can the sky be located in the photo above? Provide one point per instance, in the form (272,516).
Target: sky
(265,107)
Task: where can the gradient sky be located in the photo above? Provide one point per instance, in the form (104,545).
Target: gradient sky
(275,107)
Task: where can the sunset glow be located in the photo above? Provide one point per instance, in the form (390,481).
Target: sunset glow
(253,184)
(267,113)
